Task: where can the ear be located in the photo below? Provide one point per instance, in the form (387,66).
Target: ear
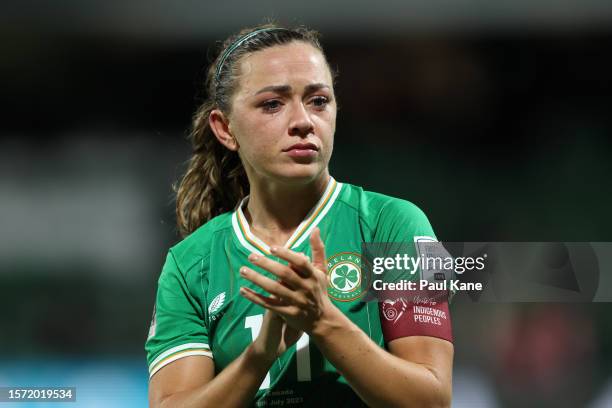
(219,124)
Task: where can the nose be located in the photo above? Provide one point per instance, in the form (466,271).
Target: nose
(301,123)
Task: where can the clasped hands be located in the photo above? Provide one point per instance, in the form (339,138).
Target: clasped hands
(299,295)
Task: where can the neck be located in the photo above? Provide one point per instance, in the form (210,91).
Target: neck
(275,209)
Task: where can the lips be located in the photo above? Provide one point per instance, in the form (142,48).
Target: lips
(302,146)
(303,152)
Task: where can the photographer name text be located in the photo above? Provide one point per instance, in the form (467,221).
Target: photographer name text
(403,285)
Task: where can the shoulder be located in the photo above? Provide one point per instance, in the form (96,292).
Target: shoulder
(388,217)
(196,247)
(375,206)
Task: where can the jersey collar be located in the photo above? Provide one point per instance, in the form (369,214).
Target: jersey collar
(314,216)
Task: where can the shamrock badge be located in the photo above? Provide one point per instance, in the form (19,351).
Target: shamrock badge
(344,276)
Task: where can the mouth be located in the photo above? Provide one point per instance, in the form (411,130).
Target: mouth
(302,151)
(302,146)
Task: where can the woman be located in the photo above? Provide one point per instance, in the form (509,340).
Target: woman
(261,303)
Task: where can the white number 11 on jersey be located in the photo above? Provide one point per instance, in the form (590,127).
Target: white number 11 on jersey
(302,351)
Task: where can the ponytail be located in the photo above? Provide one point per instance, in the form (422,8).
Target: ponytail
(214,182)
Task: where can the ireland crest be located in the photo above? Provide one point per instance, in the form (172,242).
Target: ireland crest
(345,278)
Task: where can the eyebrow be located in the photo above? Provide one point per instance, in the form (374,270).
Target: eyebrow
(285,89)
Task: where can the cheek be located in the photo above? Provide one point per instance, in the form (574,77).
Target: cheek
(266,135)
(327,126)
(253,131)
(258,140)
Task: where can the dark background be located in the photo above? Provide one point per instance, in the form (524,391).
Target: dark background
(493,118)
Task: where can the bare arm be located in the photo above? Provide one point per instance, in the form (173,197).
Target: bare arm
(416,372)
(191,381)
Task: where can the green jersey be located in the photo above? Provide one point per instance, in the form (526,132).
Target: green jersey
(199,310)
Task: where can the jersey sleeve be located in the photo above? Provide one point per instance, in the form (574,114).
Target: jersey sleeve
(413,315)
(402,221)
(177,328)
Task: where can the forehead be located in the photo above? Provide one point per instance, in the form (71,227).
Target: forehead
(283,64)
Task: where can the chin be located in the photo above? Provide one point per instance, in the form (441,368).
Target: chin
(299,173)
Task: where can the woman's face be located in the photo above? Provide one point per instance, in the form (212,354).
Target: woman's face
(284,113)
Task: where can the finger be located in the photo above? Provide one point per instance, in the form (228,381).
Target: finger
(299,261)
(283,272)
(277,301)
(269,300)
(318,250)
(269,285)
(264,301)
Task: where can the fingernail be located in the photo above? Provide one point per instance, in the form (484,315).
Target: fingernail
(253,257)
(243,271)
(273,249)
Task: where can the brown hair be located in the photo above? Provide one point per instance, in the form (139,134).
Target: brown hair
(215,180)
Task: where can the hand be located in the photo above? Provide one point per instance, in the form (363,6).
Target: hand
(275,337)
(300,294)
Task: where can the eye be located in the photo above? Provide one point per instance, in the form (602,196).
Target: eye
(271,105)
(320,101)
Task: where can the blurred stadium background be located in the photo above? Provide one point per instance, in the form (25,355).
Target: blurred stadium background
(494,117)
